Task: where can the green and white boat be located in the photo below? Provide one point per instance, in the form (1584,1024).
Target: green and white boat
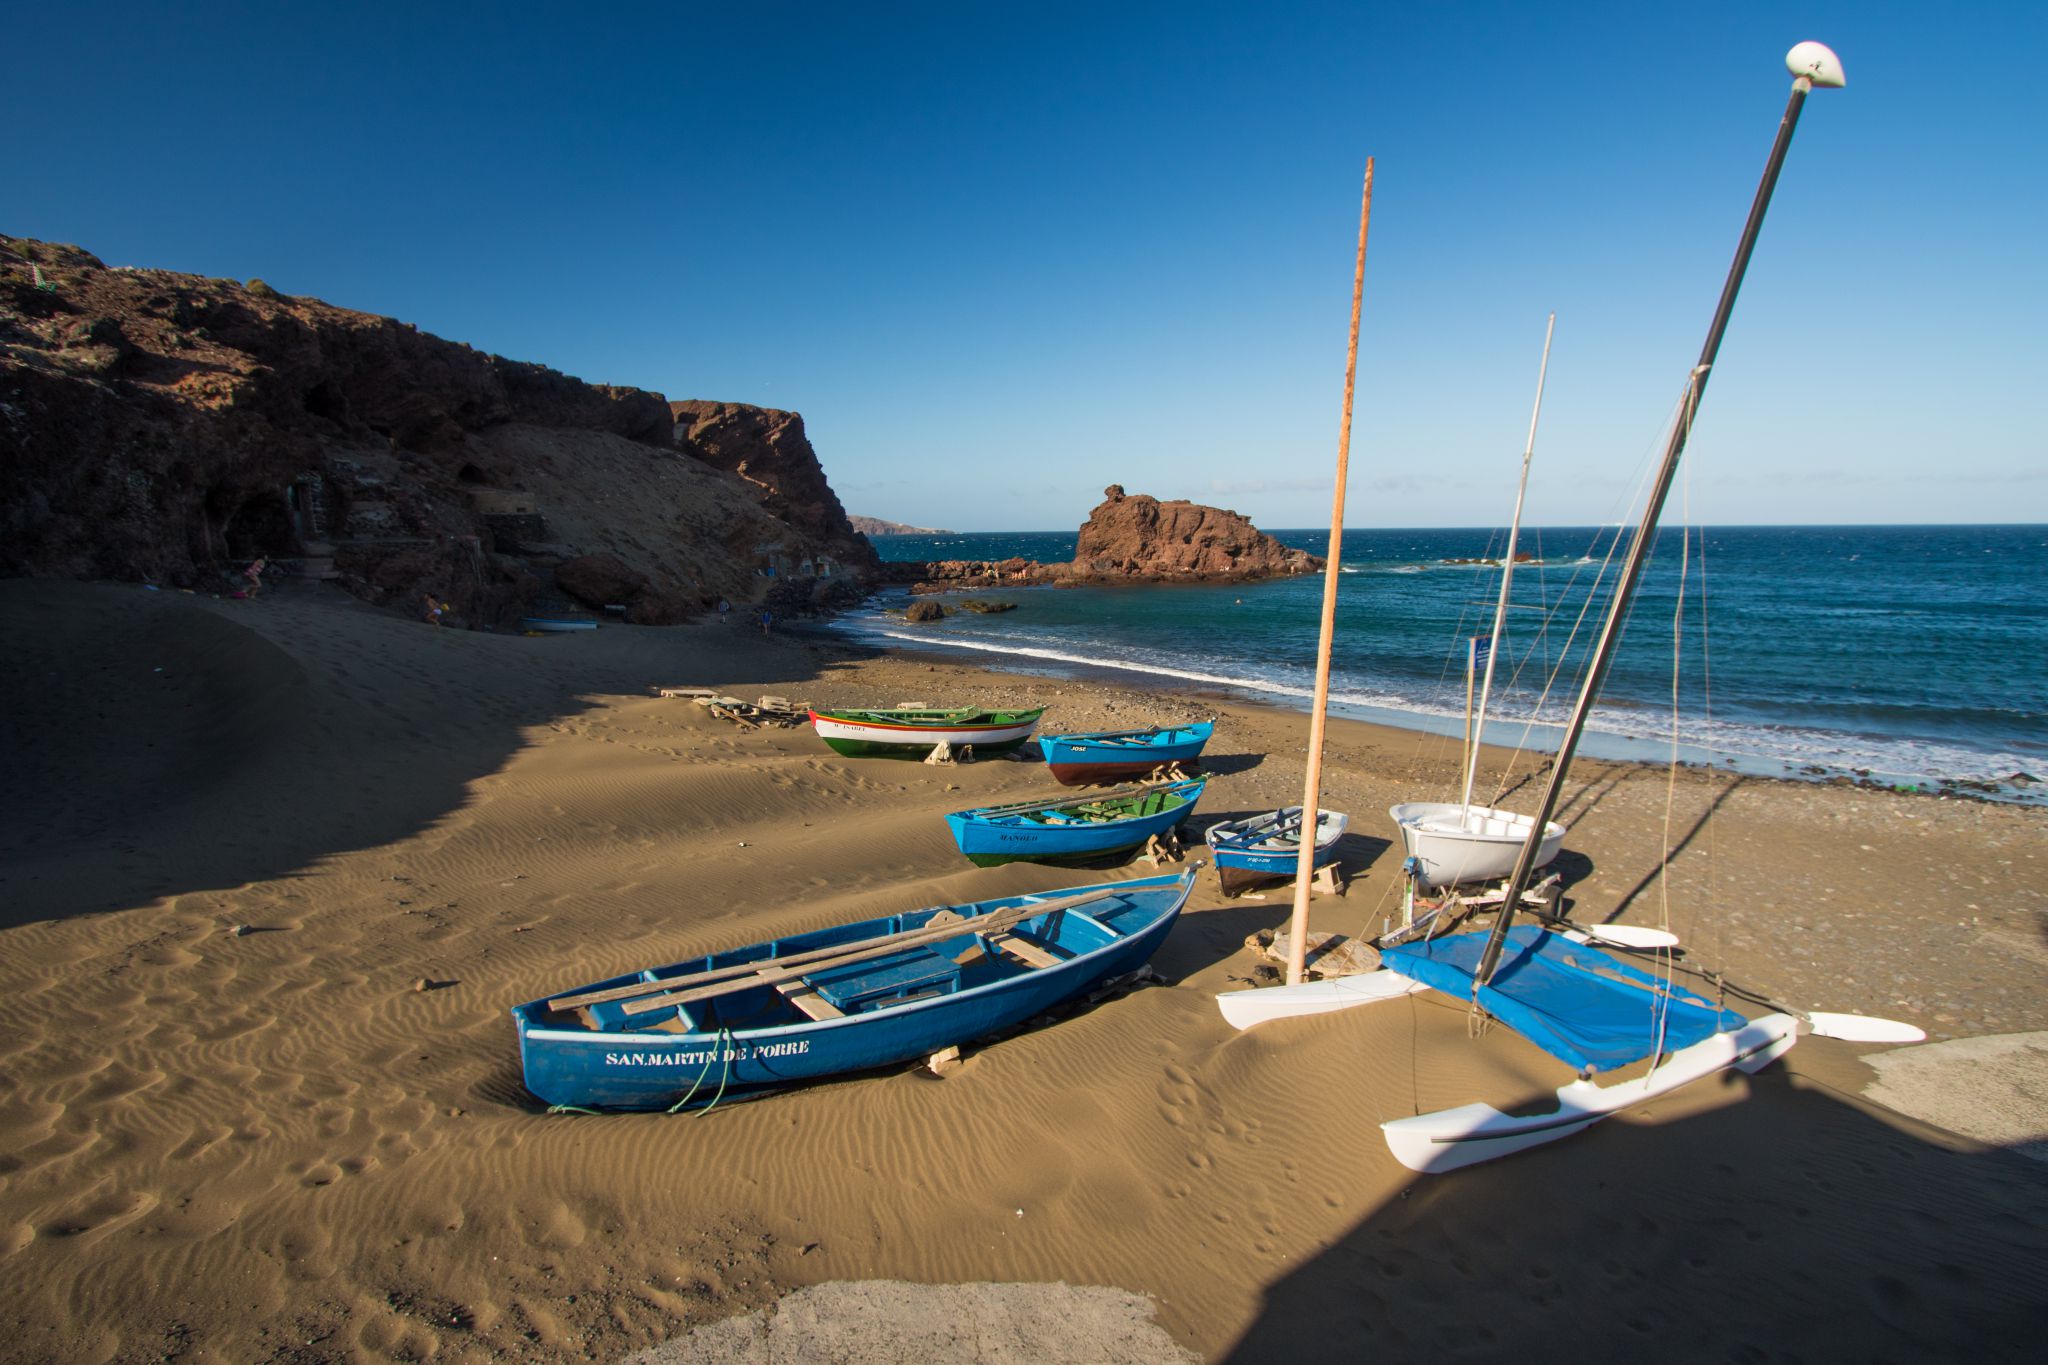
(906,732)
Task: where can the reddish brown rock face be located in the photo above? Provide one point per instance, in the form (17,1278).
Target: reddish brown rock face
(1139,537)
(1132,539)
(769,450)
(171,428)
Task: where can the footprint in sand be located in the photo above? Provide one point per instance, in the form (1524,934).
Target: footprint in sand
(555,1227)
(199,1144)
(100,1215)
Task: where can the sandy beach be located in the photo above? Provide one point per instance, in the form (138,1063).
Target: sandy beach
(273,871)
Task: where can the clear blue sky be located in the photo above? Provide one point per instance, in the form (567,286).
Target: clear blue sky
(1002,255)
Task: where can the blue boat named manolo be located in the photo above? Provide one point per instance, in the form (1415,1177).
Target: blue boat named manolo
(1074,829)
(1119,755)
(751,1020)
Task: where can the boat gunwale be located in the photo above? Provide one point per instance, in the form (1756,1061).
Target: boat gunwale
(1154,737)
(969,719)
(526,1014)
(996,817)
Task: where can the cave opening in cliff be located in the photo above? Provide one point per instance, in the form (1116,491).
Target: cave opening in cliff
(326,400)
(251,524)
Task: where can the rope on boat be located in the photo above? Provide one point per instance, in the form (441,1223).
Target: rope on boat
(722,1049)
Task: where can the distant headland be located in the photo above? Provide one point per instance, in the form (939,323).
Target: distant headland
(875,526)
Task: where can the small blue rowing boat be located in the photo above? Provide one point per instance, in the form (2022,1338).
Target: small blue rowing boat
(1075,830)
(554,625)
(1262,848)
(1117,755)
(751,1020)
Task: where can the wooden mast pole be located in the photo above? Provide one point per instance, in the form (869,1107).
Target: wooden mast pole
(1312,785)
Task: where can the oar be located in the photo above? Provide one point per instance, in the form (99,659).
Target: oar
(1633,936)
(770,971)
(1860,1028)
(901,938)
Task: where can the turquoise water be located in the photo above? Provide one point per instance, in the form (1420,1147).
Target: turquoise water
(1913,655)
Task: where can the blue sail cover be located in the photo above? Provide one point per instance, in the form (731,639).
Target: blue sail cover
(1582,1006)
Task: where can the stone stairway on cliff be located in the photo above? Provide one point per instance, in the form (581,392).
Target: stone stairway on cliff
(315,521)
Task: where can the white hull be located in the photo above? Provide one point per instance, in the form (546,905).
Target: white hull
(922,736)
(1454,844)
(1472,1133)
(1242,1009)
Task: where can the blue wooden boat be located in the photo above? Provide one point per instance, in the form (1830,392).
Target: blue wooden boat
(1267,847)
(1075,830)
(750,1020)
(1118,755)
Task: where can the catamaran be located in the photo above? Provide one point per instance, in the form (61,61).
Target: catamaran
(1589,1009)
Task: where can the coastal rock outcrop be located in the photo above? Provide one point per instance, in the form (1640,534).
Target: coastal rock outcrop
(172,428)
(768,449)
(1131,538)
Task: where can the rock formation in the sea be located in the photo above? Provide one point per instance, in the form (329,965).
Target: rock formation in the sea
(171,428)
(1131,538)
(875,526)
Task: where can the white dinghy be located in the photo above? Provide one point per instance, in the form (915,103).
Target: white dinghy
(1453,843)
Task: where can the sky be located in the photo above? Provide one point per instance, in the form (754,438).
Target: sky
(1001,255)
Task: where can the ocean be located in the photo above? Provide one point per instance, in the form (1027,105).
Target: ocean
(1913,656)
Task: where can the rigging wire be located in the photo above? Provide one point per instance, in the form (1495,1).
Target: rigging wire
(1645,469)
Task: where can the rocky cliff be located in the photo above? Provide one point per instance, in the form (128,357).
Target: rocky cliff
(1132,538)
(171,428)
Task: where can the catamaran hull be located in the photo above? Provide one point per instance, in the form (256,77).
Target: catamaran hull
(861,739)
(1451,849)
(655,1070)
(1243,1009)
(1469,1134)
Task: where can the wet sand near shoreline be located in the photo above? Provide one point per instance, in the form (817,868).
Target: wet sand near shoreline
(272,872)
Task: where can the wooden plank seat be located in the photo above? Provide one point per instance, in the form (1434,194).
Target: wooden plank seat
(1022,949)
(806,998)
(913,972)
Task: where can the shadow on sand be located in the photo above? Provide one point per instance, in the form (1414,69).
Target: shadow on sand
(1795,1226)
(161,743)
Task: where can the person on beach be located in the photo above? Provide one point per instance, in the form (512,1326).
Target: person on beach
(254,575)
(767,620)
(724,607)
(436,609)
